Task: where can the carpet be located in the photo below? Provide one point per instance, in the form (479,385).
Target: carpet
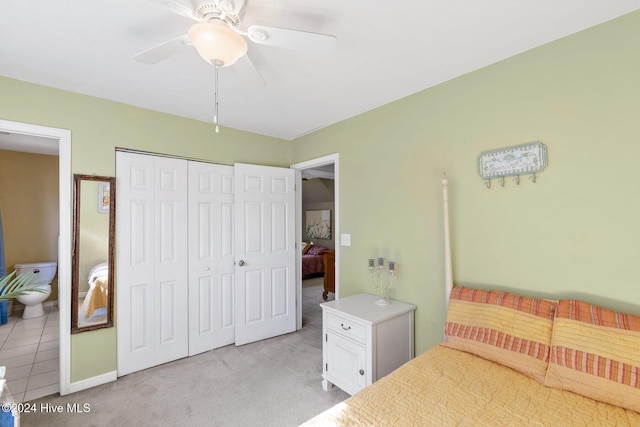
(275,382)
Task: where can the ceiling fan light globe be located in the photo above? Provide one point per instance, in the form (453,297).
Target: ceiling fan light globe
(217,43)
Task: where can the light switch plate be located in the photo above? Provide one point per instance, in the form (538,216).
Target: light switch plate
(345,239)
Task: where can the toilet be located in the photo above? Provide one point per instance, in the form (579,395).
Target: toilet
(44,272)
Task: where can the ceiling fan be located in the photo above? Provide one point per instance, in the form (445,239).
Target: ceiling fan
(219,39)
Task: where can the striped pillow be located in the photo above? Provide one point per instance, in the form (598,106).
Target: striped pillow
(503,327)
(595,352)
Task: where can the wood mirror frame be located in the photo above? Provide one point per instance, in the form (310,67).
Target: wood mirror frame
(93,234)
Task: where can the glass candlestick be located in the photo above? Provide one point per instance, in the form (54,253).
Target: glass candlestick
(383,279)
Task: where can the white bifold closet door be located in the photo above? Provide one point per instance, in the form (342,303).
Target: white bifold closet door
(151,261)
(205,257)
(211,270)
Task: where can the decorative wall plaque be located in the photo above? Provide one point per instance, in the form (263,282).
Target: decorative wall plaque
(517,160)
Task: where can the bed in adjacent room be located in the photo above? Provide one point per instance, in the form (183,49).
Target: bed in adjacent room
(313,260)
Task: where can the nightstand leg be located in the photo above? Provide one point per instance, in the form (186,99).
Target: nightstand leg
(326,385)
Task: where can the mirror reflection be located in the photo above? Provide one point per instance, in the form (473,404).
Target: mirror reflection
(93,243)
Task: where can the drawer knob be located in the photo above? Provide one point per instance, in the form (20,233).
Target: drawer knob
(347,328)
(361,371)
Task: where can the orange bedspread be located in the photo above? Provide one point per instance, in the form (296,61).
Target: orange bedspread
(97,297)
(447,387)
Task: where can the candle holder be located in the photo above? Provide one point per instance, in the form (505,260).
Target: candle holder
(383,279)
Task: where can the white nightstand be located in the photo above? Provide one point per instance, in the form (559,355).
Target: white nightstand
(363,342)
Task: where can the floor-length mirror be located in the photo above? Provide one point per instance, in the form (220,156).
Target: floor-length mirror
(93,258)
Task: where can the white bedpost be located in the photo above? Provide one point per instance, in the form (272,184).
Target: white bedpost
(448,270)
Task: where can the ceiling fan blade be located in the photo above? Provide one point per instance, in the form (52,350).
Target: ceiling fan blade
(162,51)
(303,41)
(248,73)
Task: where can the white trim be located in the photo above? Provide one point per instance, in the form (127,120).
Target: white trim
(63,137)
(93,381)
(448,269)
(320,161)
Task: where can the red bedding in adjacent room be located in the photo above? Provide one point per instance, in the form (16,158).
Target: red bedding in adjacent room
(313,260)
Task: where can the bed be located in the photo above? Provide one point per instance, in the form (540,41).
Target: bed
(448,387)
(313,260)
(510,360)
(98,295)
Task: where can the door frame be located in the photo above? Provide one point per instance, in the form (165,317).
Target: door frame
(61,137)
(299,167)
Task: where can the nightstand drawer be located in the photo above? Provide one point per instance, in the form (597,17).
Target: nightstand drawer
(346,328)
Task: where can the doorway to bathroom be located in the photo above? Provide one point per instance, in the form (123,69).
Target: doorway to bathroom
(34,204)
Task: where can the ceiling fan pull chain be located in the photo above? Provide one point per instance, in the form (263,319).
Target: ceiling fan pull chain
(215,114)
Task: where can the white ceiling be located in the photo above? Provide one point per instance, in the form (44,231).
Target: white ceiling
(326,172)
(28,143)
(386,50)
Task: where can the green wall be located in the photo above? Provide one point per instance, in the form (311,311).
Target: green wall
(572,233)
(97,128)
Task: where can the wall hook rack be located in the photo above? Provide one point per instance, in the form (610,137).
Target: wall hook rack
(525,159)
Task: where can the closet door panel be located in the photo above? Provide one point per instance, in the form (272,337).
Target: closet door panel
(227,291)
(139,220)
(254,235)
(226,240)
(279,298)
(168,325)
(210,256)
(253,297)
(171,260)
(139,311)
(265,236)
(135,272)
(206,306)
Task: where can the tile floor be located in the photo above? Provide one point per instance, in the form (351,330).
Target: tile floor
(29,348)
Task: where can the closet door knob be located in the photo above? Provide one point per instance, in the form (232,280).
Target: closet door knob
(361,372)
(241,262)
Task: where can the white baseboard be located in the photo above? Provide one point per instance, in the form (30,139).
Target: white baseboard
(93,381)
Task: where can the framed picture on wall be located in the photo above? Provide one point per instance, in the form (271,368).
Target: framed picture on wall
(103,197)
(318,224)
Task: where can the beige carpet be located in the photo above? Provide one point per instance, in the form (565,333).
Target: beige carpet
(276,382)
